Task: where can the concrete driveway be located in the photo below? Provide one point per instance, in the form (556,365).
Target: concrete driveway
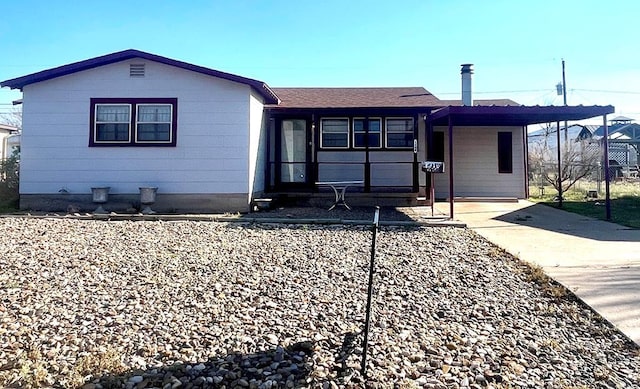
(596,260)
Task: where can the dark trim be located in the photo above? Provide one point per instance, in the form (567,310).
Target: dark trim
(367,161)
(18,83)
(450,167)
(525,147)
(351,112)
(310,174)
(132,121)
(514,115)
(267,173)
(416,170)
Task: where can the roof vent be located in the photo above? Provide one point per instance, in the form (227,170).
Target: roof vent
(136,70)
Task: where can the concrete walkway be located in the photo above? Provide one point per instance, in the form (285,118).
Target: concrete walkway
(596,260)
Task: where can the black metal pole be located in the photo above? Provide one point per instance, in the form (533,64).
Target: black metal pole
(365,341)
(607,173)
(559,166)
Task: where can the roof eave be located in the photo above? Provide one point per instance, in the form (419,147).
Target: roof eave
(20,82)
(516,115)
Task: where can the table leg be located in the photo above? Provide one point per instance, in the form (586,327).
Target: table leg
(342,200)
(337,199)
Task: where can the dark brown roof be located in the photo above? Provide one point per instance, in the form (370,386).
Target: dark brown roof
(481,102)
(355,97)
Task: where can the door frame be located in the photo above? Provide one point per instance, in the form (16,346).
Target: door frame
(293,186)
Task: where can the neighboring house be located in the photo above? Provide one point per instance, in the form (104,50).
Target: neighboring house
(624,140)
(213,141)
(9,140)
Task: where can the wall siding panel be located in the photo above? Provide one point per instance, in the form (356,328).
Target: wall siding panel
(212,152)
(475,152)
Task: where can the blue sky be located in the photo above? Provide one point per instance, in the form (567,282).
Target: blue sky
(516,46)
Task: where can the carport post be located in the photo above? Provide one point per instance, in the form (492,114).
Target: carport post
(559,166)
(450,168)
(607,177)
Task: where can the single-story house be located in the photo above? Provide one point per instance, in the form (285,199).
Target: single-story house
(215,141)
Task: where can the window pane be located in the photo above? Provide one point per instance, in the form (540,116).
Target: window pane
(335,140)
(359,140)
(154,132)
(505,152)
(400,132)
(112,132)
(374,125)
(438,146)
(359,133)
(399,125)
(154,113)
(112,113)
(335,125)
(154,123)
(358,125)
(335,132)
(399,140)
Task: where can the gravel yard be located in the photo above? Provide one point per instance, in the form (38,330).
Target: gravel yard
(184,304)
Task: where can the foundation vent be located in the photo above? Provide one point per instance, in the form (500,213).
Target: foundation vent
(136,70)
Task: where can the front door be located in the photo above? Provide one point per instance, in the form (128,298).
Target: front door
(293,166)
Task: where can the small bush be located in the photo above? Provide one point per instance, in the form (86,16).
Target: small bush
(10,182)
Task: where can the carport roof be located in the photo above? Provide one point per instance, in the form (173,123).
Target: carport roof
(514,115)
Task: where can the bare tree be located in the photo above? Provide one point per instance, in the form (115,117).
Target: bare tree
(579,159)
(13,117)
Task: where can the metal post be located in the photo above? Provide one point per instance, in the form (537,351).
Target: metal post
(451,190)
(564,95)
(559,166)
(365,341)
(607,176)
(432,191)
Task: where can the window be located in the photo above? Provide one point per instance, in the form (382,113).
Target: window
(505,152)
(400,133)
(360,137)
(113,123)
(133,122)
(438,147)
(334,133)
(153,123)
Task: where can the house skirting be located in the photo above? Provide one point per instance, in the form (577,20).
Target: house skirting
(165,203)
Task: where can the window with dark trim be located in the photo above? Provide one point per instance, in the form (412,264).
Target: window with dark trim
(371,137)
(399,133)
(133,122)
(505,152)
(334,133)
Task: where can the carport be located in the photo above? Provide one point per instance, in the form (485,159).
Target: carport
(516,116)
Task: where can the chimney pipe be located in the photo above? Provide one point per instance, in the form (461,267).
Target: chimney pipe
(466,72)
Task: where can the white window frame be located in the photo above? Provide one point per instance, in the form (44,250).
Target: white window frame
(354,132)
(322,146)
(96,122)
(170,123)
(387,132)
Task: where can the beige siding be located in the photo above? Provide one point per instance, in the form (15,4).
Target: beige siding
(475,165)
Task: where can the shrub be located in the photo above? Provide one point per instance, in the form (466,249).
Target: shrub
(10,181)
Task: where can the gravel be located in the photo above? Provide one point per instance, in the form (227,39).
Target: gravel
(184,304)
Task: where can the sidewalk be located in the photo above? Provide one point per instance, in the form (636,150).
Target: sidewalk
(596,260)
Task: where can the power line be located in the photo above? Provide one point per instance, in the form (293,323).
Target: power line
(499,91)
(623,92)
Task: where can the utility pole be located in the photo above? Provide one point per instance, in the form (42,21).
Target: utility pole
(564,96)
